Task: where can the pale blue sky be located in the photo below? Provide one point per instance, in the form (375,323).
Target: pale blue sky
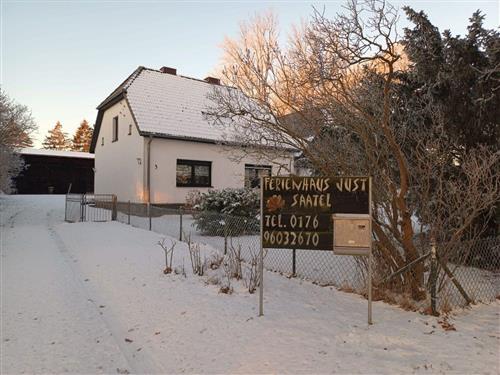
(61,58)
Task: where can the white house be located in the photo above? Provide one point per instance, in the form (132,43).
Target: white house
(152,142)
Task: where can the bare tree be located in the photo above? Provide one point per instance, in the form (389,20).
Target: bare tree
(332,93)
(16,127)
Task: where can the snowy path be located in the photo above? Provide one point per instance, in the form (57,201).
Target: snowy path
(146,321)
(48,323)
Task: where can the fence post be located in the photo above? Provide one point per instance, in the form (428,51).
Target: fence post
(128,218)
(82,208)
(149,215)
(66,208)
(454,280)
(225,234)
(294,273)
(180,223)
(433,279)
(114,212)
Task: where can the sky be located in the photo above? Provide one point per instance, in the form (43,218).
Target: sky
(62,58)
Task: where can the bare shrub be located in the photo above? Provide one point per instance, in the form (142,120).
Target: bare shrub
(169,254)
(197,265)
(235,260)
(214,261)
(252,275)
(227,267)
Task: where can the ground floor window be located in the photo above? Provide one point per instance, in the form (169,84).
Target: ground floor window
(194,173)
(253,173)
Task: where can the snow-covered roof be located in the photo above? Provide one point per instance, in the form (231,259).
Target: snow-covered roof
(172,105)
(65,154)
(168,105)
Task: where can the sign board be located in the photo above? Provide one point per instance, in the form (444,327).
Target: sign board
(316,213)
(298,212)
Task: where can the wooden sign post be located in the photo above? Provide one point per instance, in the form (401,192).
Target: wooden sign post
(316,213)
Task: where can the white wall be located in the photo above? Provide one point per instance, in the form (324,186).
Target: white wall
(117,169)
(226,172)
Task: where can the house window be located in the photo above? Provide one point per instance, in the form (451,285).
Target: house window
(194,173)
(115,129)
(253,173)
(130,129)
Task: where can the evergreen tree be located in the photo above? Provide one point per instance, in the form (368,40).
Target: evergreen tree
(458,75)
(57,139)
(82,137)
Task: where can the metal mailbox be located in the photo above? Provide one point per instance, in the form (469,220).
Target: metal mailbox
(351,234)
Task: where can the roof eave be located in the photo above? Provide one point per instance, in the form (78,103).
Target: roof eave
(100,112)
(209,141)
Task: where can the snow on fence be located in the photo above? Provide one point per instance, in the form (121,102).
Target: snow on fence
(475,266)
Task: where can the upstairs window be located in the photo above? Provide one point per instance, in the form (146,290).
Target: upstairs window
(115,129)
(194,173)
(253,173)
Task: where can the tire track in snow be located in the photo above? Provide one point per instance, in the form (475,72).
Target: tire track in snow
(138,365)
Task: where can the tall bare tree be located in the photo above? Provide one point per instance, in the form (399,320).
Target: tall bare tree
(332,93)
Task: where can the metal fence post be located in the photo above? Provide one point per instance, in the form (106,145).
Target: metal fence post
(66,208)
(433,279)
(128,218)
(114,212)
(370,276)
(180,223)
(261,253)
(82,208)
(225,233)
(149,215)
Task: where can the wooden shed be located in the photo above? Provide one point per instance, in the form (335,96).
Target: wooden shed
(55,172)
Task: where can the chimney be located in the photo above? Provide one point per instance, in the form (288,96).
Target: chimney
(212,80)
(168,70)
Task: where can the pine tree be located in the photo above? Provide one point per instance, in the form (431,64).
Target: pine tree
(82,137)
(57,139)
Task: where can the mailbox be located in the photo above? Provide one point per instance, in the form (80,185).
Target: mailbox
(351,234)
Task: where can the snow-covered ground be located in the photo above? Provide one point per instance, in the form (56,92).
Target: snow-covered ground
(92,298)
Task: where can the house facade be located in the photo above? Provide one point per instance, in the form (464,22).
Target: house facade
(153,144)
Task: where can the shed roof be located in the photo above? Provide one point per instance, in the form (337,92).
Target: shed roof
(56,153)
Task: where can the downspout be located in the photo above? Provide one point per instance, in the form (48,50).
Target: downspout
(148,171)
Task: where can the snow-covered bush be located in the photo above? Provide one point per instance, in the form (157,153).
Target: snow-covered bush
(227,212)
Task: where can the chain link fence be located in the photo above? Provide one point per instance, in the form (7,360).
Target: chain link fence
(473,267)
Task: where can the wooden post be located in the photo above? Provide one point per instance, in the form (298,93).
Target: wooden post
(454,280)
